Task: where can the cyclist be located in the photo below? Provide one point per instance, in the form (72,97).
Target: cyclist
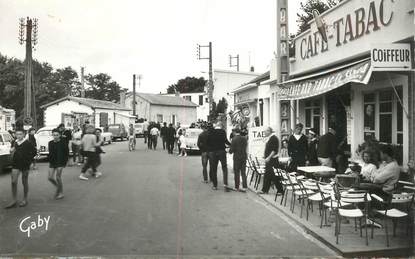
(131,137)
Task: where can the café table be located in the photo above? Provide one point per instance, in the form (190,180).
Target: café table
(317,171)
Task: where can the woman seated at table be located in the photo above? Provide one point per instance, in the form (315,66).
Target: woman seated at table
(367,167)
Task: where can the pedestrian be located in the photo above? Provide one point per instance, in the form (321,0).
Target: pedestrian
(163,135)
(298,147)
(202,145)
(22,155)
(326,151)
(170,137)
(89,143)
(58,157)
(76,145)
(149,137)
(66,134)
(271,161)
(312,148)
(32,140)
(238,149)
(145,128)
(179,132)
(217,143)
(154,136)
(98,150)
(182,144)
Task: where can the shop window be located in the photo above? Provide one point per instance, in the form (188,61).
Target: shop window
(383,118)
(187,97)
(312,115)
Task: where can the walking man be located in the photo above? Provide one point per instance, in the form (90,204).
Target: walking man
(58,157)
(202,144)
(271,160)
(238,149)
(145,128)
(217,143)
(298,147)
(154,136)
(23,153)
(170,136)
(89,143)
(76,145)
(163,134)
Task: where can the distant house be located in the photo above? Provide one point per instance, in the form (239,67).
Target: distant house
(201,99)
(7,119)
(161,108)
(74,111)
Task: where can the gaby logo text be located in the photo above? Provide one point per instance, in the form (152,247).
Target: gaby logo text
(34,224)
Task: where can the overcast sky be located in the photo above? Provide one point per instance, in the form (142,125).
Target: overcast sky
(154,38)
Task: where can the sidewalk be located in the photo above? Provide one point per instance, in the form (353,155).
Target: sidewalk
(350,242)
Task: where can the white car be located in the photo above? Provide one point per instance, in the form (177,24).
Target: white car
(191,136)
(5,145)
(43,136)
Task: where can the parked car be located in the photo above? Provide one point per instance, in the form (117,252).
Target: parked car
(118,131)
(43,136)
(5,145)
(191,136)
(139,130)
(107,137)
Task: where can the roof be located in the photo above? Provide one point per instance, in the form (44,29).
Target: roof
(253,83)
(93,103)
(159,99)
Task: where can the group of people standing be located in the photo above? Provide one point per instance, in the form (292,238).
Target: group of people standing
(86,148)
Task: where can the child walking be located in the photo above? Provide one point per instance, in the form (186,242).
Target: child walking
(58,158)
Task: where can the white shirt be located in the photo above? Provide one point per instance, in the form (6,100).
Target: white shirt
(368,171)
(154,131)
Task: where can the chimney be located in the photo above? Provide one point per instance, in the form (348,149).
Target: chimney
(252,69)
(123,93)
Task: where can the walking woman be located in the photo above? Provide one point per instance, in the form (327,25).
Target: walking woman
(23,153)
(58,157)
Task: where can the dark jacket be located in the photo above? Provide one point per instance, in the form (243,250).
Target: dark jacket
(312,152)
(171,133)
(273,144)
(217,140)
(58,153)
(327,146)
(298,149)
(238,148)
(163,132)
(32,140)
(202,141)
(23,155)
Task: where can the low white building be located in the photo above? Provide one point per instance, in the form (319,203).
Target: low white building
(161,108)
(7,119)
(202,101)
(74,111)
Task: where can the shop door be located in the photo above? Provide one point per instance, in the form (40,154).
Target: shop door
(103,119)
(313,115)
(337,116)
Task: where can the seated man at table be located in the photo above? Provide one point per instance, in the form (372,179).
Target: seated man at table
(388,173)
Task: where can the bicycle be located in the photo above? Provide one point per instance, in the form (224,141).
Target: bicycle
(131,143)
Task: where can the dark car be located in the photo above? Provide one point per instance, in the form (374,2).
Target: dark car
(118,131)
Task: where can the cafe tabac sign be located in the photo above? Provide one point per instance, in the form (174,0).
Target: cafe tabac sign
(352,28)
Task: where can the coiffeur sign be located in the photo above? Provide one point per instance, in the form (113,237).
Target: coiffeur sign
(359,73)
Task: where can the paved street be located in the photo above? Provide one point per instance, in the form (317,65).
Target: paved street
(148,203)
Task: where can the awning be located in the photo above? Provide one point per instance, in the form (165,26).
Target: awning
(245,102)
(320,84)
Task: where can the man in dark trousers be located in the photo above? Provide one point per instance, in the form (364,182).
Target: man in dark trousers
(202,144)
(163,135)
(326,150)
(217,143)
(170,136)
(298,147)
(271,160)
(23,153)
(238,149)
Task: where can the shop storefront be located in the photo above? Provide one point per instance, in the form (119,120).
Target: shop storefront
(359,81)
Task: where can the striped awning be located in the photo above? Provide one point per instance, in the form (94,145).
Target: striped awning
(325,82)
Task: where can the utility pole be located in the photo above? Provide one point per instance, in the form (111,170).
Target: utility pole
(210,83)
(31,28)
(134,102)
(82,82)
(237,62)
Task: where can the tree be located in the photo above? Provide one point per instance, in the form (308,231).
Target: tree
(306,11)
(188,85)
(101,87)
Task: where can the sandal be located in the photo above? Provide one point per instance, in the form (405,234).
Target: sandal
(23,204)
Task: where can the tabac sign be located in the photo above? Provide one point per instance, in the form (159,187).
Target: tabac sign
(351,28)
